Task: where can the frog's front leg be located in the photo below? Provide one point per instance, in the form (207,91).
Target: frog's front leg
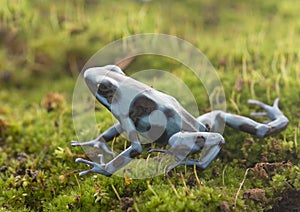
(100,141)
(184,144)
(114,165)
(122,159)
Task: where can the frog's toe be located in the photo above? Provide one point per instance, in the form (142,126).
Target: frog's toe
(75,143)
(84,173)
(253,101)
(259,103)
(92,143)
(96,168)
(81,160)
(272,111)
(95,144)
(263,105)
(276,101)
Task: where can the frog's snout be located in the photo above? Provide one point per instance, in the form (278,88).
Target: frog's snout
(90,77)
(90,74)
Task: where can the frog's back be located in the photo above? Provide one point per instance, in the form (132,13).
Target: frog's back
(158,116)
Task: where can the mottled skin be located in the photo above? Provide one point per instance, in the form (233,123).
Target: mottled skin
(144,111)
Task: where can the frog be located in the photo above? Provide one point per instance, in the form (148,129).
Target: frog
(142,111)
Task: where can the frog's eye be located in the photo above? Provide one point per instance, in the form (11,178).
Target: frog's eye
(107,88)
(105,85)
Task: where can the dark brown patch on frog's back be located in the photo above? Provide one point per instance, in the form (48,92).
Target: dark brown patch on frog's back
(169,113)
(141,106)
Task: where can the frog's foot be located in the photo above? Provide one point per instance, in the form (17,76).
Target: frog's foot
(96,167)
(95,144)
(272,112)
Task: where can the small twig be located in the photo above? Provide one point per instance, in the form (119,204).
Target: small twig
(125,144)
(116,192)
(78,186)
(223,175)
(186,188)
(241,185)
(74,155)
(173,187)
(235,106)
(295,139)
(151,189)
(147,159)
(136,207)
(197,178)
(112,143)
(259,166)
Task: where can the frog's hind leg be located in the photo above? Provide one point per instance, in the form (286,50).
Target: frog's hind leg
(214,121)
(277,123)
(183,144)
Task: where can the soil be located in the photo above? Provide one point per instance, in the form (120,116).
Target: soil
(290,202)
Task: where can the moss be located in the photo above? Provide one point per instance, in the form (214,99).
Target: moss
(255,49)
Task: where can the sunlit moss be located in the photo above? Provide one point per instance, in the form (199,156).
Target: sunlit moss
(254,47)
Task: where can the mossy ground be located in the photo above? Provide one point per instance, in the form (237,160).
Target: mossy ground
(253,45)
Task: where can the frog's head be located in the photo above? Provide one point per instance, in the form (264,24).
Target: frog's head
(93,76)
(103,83)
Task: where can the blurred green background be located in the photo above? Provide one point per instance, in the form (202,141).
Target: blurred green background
(255,48)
